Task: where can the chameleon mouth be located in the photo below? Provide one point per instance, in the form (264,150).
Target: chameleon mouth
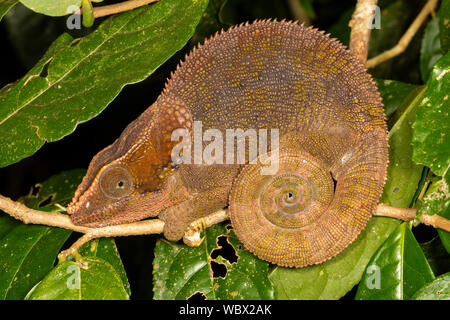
(130,209)
(93,220)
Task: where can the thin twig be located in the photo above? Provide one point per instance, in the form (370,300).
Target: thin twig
(360,34)
(408,214)
(435,221)
(54,219)
(102,11)
(156,226)
(406,38)
(424,188)
(405,214)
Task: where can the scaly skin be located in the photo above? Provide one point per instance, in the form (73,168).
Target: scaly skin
(264,75)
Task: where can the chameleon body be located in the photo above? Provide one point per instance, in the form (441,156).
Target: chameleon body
(265,75)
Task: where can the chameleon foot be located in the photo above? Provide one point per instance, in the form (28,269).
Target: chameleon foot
(73,250)
(192,235)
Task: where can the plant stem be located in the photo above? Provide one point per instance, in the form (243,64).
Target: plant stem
(406,38)
(408,214)
(102,11)
(360,34)
(155,226)
(405,214)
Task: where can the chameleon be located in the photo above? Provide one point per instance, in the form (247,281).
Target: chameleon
(331,152)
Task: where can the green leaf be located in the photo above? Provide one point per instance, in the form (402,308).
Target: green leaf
(30,35)
(437,256)
(7,223)
(211,21)
(397,270)
(77,79)
(106,249)
(55,192)
(52,7)
(437,201)
(334,278)
(5,5)
(444,25)
(180,271)
(430,50)
(431,130)
(89,279)
(28,252)
(438,289)
(393,93)
(403,174)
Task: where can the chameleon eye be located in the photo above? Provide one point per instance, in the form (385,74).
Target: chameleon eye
(116,182)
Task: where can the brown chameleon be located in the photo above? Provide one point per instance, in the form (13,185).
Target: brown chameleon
(332,148)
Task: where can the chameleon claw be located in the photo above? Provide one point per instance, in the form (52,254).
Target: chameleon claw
(192,236)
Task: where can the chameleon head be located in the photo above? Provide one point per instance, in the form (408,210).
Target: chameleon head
(132,178)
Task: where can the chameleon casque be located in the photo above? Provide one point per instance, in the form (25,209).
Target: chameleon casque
(332,155)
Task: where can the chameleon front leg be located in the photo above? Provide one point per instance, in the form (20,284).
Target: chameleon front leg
(176,219)
(190,217)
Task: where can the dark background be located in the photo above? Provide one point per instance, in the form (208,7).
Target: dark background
(25,36)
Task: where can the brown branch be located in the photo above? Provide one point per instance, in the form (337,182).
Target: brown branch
(360,34)
(102,11)
(21,212)
(435,221)
(406,38)
(409,214)
(54,219)
(156,226)
(405,214)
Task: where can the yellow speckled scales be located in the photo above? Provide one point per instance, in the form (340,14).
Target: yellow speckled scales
(283,75)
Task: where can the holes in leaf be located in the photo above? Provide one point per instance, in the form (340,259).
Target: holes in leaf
(75,42)
(218,269)
(46,201)
(44,72)
(198,296)
(35,190)
(395,189)
(225,249)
